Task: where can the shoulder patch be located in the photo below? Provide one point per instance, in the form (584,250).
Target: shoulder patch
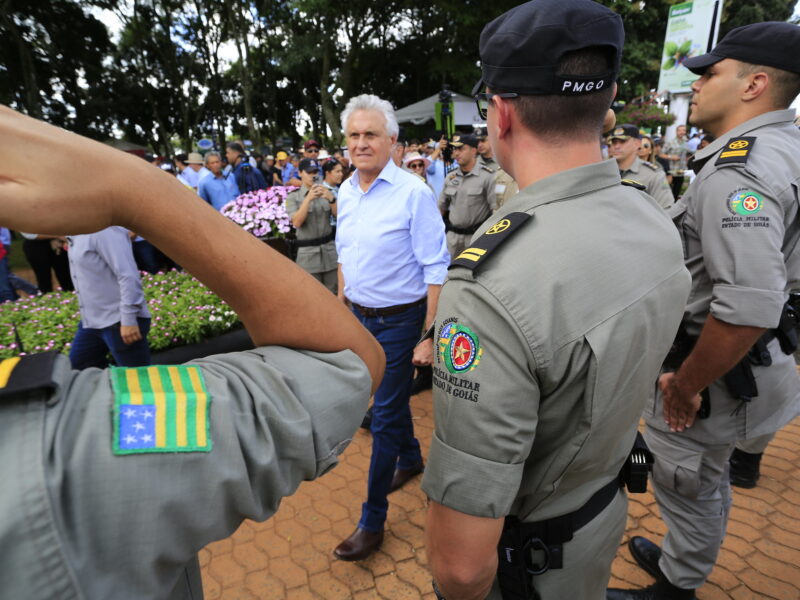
(22,376)
(160,409)
(481,248)
(634,184)
(736,151)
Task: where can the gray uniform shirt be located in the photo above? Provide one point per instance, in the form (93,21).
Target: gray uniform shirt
(740,229)
(314,259)
(653,178)
(79,522)
(549,349)
(470,197)
(106,279)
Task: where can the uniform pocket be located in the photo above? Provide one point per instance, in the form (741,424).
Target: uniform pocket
(675,468)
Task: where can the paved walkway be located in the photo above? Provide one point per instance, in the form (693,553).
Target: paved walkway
(289,556)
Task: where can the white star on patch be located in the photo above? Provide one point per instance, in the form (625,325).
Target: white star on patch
(130,412)
(147,414)
(129,439)
(147,438)
(138,426)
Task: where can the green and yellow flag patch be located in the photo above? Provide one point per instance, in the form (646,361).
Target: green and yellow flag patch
(160,409)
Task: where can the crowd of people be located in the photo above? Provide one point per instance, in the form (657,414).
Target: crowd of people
(500,260)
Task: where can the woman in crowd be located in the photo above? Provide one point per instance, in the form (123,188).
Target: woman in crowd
(647,150)
(47,253)
(333,175)
(310,208)
(418,165)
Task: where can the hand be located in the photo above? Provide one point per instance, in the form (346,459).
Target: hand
(130,333)
(423,354)
(680,407)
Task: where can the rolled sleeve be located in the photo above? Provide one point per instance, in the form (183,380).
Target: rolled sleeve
(428,240)
(742,252)
(486,414)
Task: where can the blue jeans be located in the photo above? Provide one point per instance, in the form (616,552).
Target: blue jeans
(393,441)
(6,290)
(90,347)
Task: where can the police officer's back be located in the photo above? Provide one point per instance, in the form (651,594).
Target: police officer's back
(549,332)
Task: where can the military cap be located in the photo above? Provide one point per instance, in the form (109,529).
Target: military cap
(309,165)
(520,50)
(461,140)
(772,44)
(625,131)
(481,133)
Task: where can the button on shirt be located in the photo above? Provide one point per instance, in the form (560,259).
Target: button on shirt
(218,191)
(390,239)
(106,279)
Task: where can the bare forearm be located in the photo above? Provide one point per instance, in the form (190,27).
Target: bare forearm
(718,349)
(433,302)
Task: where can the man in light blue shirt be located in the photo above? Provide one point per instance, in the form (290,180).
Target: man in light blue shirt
(217,188)
(393,260)
(114,314)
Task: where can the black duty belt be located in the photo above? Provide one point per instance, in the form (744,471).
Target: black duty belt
(463,230)
(315,241)
(387,311)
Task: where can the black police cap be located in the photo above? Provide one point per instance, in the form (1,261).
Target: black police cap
(772,44)
(625,132)
(465,140)
(309,165)
(520,50)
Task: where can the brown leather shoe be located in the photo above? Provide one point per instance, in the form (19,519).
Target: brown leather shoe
(359,545)
(403,476)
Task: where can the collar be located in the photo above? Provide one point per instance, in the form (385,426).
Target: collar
(768,118)
(387,174)
(567,184)
(634,168)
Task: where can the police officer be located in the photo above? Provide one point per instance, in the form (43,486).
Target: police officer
(733,373)
(310,208)
(485,155)
(623,144)
(468,196)
(549,334)
(112,481)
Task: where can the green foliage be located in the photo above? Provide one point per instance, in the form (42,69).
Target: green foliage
(183,311)
(645,116)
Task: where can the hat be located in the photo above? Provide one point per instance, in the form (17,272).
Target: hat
(412,156)
(308,165)
(281,155)
(195,158)
(310,143)
(460,140)
(625,131)
(167,167)
(520,50)
(323,154)
(772,44)
(270,157)
(481,133)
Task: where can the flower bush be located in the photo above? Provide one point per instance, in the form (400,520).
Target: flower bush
(262,213)
(183,311)
(647,116)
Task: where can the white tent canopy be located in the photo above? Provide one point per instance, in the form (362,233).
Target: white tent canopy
(465,112)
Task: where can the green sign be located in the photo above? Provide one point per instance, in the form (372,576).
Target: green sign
(438,118)
(689,30)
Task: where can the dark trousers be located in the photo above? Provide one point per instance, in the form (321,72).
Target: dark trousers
(90,347)
(42,259)
(677,184)
(393,441)
(6,290)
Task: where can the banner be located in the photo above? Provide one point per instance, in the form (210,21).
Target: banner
(690,29)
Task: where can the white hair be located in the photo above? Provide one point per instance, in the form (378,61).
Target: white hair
(210,154)
(371,102)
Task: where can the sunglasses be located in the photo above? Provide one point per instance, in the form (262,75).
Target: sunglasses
(646,146)
(313,150)
(418,165)
(482,101)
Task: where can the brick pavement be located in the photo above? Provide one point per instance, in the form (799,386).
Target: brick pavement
(289,556)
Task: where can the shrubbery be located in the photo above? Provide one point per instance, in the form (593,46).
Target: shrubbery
(183,311)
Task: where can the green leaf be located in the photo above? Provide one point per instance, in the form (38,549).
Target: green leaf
(670,48)
(669,64)
(685,47)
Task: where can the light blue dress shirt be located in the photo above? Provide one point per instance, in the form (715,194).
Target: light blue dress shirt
(218,191)
(390,239)
(435,173)
(106,279)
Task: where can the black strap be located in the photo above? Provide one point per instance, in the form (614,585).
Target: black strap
(315,241)
(463,230)
(28,376)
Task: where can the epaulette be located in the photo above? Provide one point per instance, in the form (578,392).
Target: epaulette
(650,165)
(481,248)
(23,376)
(634,184)
(736,151)
(453,175)
(487,168)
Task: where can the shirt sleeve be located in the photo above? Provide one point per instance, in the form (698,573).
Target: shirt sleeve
(491,193)
(292,203)
(661,191)
(428,240)
(276,417)
(202,191)
(114,246)
(740,222)
(486,400)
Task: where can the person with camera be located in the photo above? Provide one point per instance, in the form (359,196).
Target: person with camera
(310,207)
(248,178)
(731,375)
(113,480)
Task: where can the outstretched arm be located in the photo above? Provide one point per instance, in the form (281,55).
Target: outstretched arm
(277,301)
